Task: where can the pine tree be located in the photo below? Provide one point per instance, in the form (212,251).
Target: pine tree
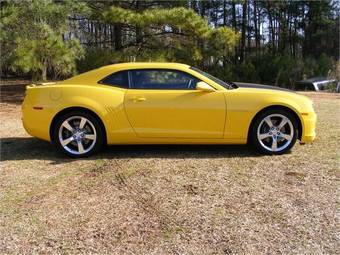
(33,31)
(176,34)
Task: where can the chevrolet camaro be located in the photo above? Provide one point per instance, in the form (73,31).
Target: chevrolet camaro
(164,103)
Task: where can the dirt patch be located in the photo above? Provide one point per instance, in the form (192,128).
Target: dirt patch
(321,95)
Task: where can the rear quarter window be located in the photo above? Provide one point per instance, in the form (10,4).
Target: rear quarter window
(118,79)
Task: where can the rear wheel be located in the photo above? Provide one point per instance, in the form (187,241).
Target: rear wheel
(274,131)
(78,134)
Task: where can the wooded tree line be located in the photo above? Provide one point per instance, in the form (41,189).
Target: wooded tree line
(275,42)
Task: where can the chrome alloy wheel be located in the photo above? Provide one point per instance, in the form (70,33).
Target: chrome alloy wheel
(77,135)
(275,132)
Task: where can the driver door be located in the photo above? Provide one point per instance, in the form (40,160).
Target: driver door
(164,103)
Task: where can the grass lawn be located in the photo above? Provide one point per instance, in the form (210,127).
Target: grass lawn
(170,199)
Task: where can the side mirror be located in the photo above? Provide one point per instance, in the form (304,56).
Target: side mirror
(202,86)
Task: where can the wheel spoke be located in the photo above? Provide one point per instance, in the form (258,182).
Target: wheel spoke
(82,123)
(90,137)
(66,141)
(286,137)
(77,135)
(80,147)
(268,121)
(283,122)
(67,126)
(264,136)
(274,145)
(280,134)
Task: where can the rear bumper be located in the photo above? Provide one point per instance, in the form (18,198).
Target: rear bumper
(36,122)
(309,124)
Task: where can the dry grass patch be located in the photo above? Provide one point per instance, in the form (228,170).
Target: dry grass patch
(170,199)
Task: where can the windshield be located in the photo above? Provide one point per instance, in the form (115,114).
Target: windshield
(227,85)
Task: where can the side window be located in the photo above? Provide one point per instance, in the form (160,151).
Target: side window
(118,79)
(162,79)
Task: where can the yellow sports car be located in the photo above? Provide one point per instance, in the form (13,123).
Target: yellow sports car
(164,103)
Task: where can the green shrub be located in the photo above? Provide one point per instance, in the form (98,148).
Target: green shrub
(95,58)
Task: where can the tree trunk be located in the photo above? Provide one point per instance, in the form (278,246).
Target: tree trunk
(118,36)
(294,38)
(44,71)
(243,32)
(224,12)
(257,43)
(233,8)
(248,34)
(138,29)
(271,25)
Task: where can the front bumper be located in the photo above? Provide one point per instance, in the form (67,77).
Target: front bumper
(308,126)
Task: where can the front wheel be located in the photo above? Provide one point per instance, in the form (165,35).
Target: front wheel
(274,131)
(78,134)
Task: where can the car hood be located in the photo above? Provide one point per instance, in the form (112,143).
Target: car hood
(279,93)
(260,86)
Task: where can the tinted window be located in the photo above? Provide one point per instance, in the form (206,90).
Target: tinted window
(162,79)
(119,79)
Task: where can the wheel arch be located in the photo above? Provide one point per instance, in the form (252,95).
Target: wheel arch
(76,108)
(281,107)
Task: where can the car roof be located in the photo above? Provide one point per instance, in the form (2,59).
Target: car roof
(93,76)
(130,65)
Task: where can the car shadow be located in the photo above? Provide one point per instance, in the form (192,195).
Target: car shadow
(29,148)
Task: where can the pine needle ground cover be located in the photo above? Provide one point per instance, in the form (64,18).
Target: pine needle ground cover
(170,199)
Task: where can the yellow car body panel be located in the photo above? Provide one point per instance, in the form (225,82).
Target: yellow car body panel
(192,114)
(137,116)
(243,104)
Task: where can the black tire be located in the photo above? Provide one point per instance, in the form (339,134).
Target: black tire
(262,148)
(92,123)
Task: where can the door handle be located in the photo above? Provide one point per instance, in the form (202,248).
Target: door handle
(138,99)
